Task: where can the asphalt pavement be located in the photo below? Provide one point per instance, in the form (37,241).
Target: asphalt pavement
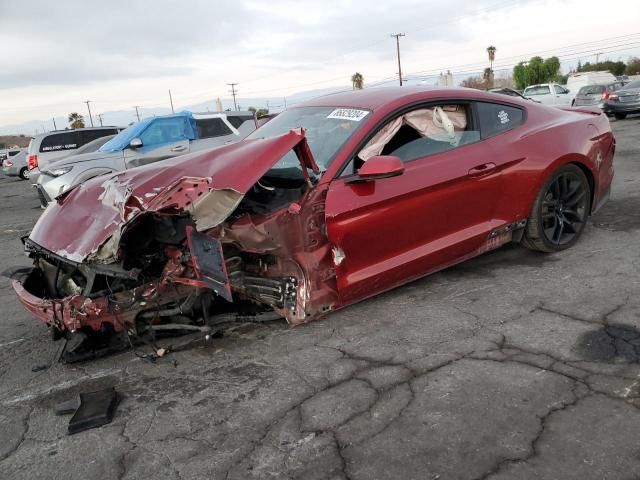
(515,365)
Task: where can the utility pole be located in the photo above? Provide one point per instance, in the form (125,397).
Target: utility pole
(285,102)
(54,124)
(89,108)
(397,36)
(171,102)
(598,57)
(137,113)
(100,118)
(233,92)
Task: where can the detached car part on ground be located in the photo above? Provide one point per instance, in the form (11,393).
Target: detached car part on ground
(377,188)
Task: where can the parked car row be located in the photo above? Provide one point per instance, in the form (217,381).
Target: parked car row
(564,96)
(148,141)
(617,98)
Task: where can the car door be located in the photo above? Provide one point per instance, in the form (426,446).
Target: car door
(388,231)
(562,96)
(163,138)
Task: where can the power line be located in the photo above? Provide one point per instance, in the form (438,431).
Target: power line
(233,92)
(88,108)
(137,113)
(171,102)
(398,35)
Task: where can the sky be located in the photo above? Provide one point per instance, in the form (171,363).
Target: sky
(118,54)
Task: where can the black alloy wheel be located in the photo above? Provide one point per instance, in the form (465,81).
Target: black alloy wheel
(560,211)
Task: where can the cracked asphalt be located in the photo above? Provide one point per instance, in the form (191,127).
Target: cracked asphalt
(515,365)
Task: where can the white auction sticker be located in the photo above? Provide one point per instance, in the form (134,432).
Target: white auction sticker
(348,114)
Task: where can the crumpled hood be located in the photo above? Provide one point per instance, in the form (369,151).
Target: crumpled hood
(87,222)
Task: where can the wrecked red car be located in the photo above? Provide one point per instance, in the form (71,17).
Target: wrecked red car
(331,202)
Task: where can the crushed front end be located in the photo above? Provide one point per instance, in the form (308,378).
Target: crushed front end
(151,250)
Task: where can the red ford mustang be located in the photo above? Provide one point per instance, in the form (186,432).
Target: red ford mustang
(333,201)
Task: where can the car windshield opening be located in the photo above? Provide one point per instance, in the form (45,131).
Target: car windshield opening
(327,129)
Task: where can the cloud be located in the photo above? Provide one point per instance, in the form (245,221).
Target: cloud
(75,41)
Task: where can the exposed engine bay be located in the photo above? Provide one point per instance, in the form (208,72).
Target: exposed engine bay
(169,276)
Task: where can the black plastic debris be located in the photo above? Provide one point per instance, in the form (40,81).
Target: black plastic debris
(68,407)
(96,409)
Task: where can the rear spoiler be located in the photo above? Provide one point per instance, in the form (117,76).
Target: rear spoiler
(590,110)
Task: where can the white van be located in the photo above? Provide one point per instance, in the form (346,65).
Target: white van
(581,79)
(48,147)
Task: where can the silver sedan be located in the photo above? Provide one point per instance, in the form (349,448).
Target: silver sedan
(16,166)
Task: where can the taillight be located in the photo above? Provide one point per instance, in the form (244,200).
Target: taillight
(7,163)
(605,94)
(32,162)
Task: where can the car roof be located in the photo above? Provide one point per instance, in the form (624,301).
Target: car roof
(40,136)
(375,98)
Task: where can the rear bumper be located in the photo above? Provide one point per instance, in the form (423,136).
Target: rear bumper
(620,107)
(10,171)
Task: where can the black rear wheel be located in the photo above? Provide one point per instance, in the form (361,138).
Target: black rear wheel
(620,116)
(24,173)
(560,211)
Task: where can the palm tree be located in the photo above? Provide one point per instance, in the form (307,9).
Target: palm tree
(491,50)
(357,80)
(76,120)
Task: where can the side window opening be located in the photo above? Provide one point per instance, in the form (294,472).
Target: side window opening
(422,132)
(212,127)
(496,118)
(164,131)
(60,141)
(237,120)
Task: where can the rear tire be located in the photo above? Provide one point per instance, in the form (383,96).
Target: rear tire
(620,116)
(24,173)
(560,210)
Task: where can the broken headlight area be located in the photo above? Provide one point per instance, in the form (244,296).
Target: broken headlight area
(169,279)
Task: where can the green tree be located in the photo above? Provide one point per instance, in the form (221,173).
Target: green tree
(76,120)
(357,80)
(616,68)
(260,112)
(536,70)
(633,66)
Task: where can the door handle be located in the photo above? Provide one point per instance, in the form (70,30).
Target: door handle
(482,170)
(179,148)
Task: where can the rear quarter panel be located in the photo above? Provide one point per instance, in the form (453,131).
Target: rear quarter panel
(549,139)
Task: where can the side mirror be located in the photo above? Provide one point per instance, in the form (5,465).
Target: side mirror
(135,143)
(381,166)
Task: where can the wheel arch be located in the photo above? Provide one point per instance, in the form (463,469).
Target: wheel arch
(590,178)
(580,161)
